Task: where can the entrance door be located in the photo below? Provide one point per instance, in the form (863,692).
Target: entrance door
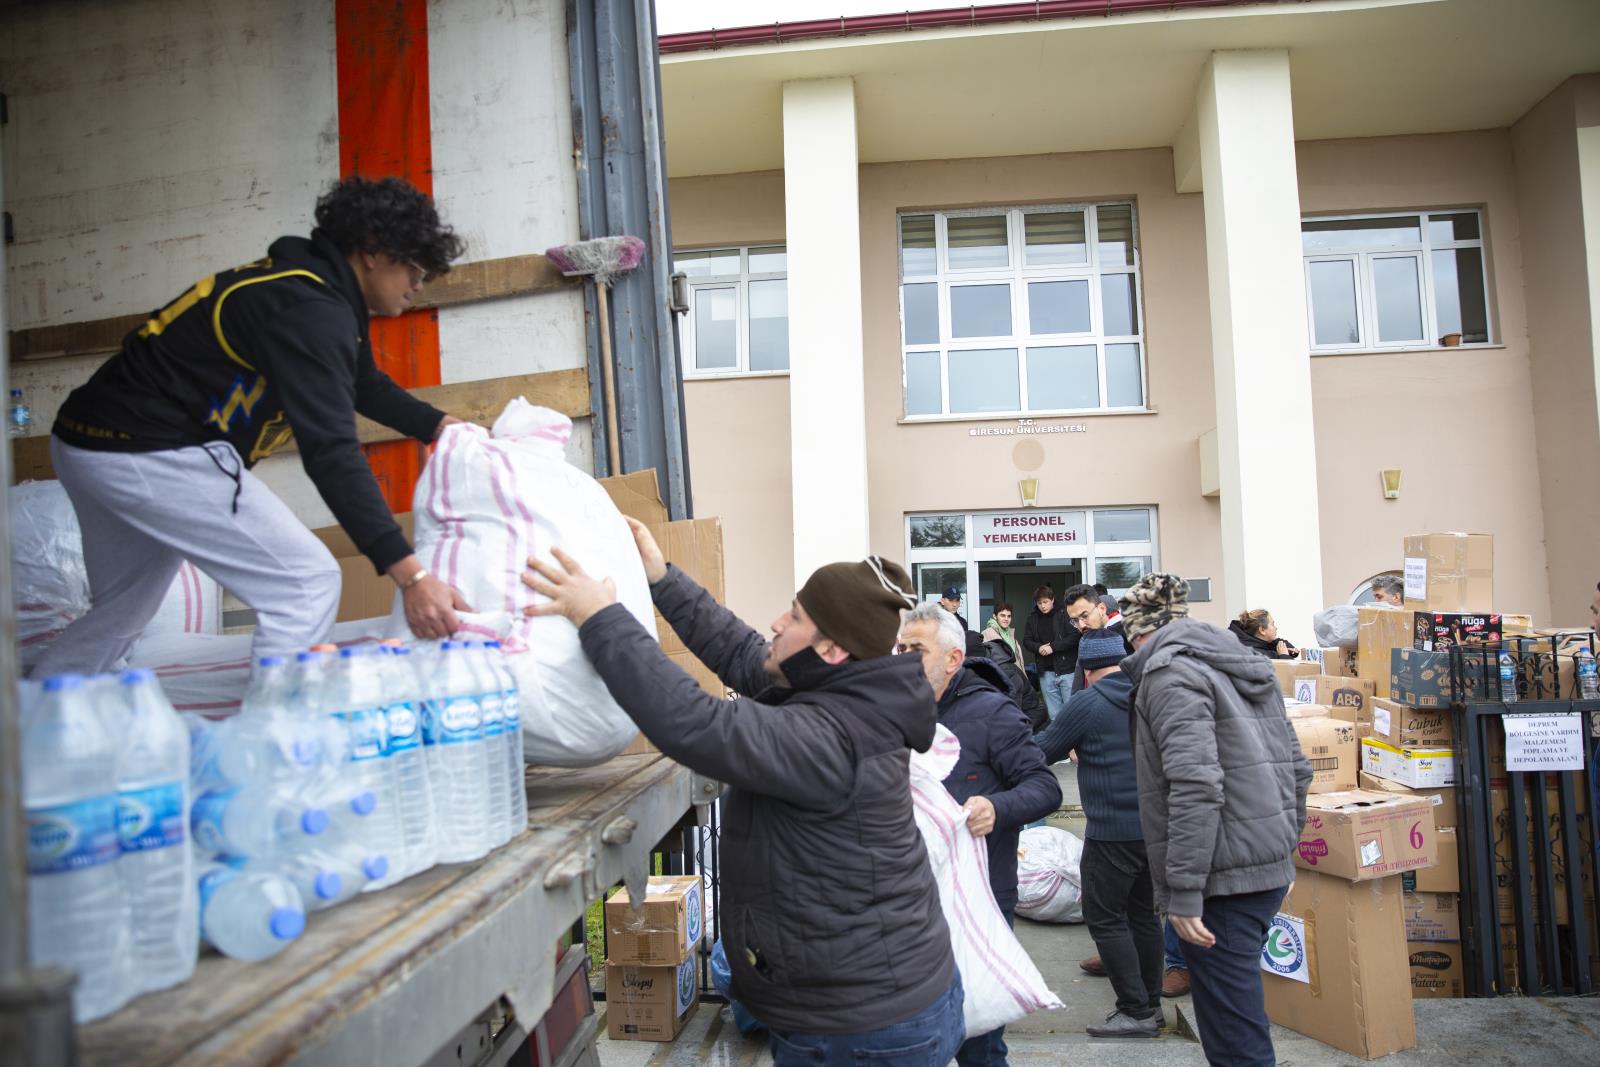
(1013,582)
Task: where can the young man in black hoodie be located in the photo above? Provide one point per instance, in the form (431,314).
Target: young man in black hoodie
(155,449)
(1001,779)
(1054,648)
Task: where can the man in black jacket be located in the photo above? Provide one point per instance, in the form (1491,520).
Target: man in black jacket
(1054,648)
(830,914)
(1001,779)
(155,449)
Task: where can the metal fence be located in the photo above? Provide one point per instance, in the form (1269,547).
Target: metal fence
(1529,865)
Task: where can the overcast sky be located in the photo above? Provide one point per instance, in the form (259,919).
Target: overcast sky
(684,16)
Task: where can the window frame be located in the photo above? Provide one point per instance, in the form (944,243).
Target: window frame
(740,283)
(1366,286)
(1018,275)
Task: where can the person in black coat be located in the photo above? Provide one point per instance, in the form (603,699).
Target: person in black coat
(1258,631)
(1018,685)
(1001,779)
(1054,648)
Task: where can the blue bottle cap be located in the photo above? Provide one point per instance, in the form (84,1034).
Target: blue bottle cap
(286,924)
(63,683)
(363,802)
(327,884)
(136,676)
(306,657)
(350,653)
(399,650)
(448,646)
(492,644)
(270,661)
(375,866)
(304,751)
(313,820)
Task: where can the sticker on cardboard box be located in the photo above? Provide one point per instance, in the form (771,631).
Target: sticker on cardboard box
(1284,952)
(1305,690)
(1416,578)
(1381,720)
(1371,853)
(1544,742)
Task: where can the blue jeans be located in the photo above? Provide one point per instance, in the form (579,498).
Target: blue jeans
(1225,980)
(987,1050)
(928,1039)
(1174,946)
(1056,687)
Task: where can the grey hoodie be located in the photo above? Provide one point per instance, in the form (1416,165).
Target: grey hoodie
(1222,781)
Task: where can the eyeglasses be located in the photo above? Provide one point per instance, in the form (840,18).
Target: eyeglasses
(419,274)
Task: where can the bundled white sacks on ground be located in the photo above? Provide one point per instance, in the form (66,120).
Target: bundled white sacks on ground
(111,889)
(1049,883)
(1002,984)
(50,587)
(486,502)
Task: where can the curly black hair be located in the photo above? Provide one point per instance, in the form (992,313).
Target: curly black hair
(391,216)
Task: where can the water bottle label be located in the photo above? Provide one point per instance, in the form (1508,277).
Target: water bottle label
(207,820)
(405,727)
(150,818)
(213,880)
(512,709)
(452,721)
(366,732)
(72,837)
(492,705)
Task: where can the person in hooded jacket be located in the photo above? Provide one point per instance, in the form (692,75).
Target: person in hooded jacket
(155,450)
(1018,686)
(830,914)
(1001,779)
(1222,799)
(1258,631)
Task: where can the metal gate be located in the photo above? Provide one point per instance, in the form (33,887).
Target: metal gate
(1529,865)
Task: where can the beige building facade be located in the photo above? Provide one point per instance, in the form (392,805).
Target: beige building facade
(1245,271)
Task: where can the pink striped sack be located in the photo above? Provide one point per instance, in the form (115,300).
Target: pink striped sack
(1002,984)
(487,501)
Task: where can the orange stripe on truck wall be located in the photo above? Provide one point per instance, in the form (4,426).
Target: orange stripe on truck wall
(384,129)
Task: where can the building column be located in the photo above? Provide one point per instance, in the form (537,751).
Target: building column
(827,405)
(1266,451)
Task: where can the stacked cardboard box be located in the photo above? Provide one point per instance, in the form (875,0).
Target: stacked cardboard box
(1331,746)
(652,973)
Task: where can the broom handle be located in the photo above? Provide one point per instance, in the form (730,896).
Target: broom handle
(608,386)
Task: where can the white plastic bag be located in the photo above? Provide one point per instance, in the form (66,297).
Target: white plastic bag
(1002,984)
(1336,627)
(486,502)
(1049,882)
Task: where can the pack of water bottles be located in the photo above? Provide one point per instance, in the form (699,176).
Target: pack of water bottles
(111,886)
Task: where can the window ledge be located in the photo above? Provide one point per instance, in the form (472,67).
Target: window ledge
(1063,416)
(735,377)
(1405,351)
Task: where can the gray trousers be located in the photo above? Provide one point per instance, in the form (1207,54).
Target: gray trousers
(144,513)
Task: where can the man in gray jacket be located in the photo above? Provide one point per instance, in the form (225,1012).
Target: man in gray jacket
(1222,798)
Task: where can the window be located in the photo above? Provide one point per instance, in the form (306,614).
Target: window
(1396,281)
(738,321)
(1021,311)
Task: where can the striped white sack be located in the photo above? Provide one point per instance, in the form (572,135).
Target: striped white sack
(1049,879)
(1002,984)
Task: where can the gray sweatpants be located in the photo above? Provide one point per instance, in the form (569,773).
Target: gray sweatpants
(144,513)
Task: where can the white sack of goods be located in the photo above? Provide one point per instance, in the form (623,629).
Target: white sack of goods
(1002,984)
(486,502)
(1049,884)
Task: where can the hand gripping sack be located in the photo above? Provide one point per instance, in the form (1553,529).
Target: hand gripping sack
(1049,882)
(1002,984)
(485,503)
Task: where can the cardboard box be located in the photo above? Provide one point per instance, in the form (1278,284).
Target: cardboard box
(1290,669)
(1334,660)
(1337,966)
(666,930)
(363,593)
(1424,680)
(1331,746)
(1416,767)
(1432,916)
(1441,798)
(1352,696)
(1443,877)
(649,1003)
(1307,711)
(1361,834)
(1441,630)
(1407,727)
(1379,629)
(1436,969)
(1449,572)
(1305,689)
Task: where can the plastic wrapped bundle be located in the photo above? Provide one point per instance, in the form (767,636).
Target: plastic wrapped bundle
(1049,882)
(1336,627)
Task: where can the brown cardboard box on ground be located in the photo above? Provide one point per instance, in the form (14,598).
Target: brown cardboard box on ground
(1408,727)
(1331,746)
(1436,969)
(1346,941)
(1378,630)
(1449,572)
(1442,798)
(1290,669)
(666,930)
(1432,916)
(649,1003)
(1361,834)
(1442,877)
(1352,697)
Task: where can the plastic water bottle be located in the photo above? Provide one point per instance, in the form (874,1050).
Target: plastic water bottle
(1588,677)
(256,821)
(1508,679)
(248,915)
(157,866)
(491,704)
(19,417)
(78,905)
(356,698)
(403,717)
(321,883)
(452,733)
(511,712)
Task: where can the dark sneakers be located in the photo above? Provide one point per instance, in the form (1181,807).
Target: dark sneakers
(1120,1025)
(1093,967)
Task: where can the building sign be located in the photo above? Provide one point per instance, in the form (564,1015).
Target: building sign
(1025,427)
(1028,529)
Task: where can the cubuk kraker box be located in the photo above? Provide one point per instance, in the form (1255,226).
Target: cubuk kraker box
(1406,727)
(666,930)
(646,1003)
(1360,834)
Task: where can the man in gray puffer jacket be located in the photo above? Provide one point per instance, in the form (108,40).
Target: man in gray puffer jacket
(1222,798)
